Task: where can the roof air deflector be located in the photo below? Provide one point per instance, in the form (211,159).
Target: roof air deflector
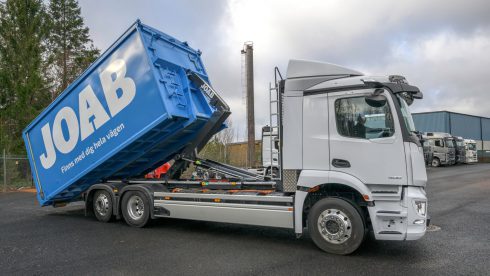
(304,68)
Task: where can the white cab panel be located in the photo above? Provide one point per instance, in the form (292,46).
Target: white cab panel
(315,133)
(292,133)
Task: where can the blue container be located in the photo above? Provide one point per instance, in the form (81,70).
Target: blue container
(130,111)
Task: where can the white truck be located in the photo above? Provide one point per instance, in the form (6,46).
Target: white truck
(439,148)
(349,160)
(471,154)
(334,180)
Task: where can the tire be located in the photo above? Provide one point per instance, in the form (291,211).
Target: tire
(435,162)
(336,226)
(102,205)
(135,208)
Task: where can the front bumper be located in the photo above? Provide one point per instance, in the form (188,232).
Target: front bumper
(400,220)
(415,230)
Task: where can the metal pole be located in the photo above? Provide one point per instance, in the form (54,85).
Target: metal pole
(249,75)
(226,154)
(4,172)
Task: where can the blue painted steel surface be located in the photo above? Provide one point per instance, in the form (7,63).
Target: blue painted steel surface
(465,126)
(431,122)
(485,122)
(130,111)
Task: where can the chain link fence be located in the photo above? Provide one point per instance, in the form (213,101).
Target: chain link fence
(15,172)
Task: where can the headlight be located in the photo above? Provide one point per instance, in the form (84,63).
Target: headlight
(421,207)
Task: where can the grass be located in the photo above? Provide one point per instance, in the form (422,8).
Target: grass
(15,184)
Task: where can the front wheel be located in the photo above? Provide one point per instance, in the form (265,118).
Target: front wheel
(336,226)
(135,208)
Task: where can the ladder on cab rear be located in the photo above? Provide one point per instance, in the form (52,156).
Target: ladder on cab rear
(275,125)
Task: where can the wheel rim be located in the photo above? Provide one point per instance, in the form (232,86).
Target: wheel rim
(435,163)
(136,207)
(334,226)
(102,204)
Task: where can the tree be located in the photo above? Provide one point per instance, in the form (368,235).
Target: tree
(216,148)
(23,90)
(71,49)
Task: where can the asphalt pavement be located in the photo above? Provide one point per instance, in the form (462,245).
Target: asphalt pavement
(61,241)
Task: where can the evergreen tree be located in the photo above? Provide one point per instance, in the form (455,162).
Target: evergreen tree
(71,49)
(23,91)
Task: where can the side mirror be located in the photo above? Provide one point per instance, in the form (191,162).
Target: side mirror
(376,99)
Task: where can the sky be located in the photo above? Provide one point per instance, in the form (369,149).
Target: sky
(443,47)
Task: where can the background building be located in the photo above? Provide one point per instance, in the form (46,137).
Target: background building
(458,124)
(237,154)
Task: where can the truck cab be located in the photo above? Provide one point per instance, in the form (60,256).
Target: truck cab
(440,148)
(352,136)
(471,154)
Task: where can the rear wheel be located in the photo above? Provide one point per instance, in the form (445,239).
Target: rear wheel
(336,226)
(436,162)
(135,208)
(102,205)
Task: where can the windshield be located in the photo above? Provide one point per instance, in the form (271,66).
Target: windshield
(472,146)
(407,116)
(450,143)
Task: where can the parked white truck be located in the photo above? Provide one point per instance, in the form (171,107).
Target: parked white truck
(439,148)
(471,154)
(349,159)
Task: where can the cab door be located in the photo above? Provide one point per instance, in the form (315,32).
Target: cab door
(365,138)
(440,150)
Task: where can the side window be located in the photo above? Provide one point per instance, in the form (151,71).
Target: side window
(356,118)
(438,143)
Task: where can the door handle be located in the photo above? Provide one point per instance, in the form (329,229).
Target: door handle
(340,163)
